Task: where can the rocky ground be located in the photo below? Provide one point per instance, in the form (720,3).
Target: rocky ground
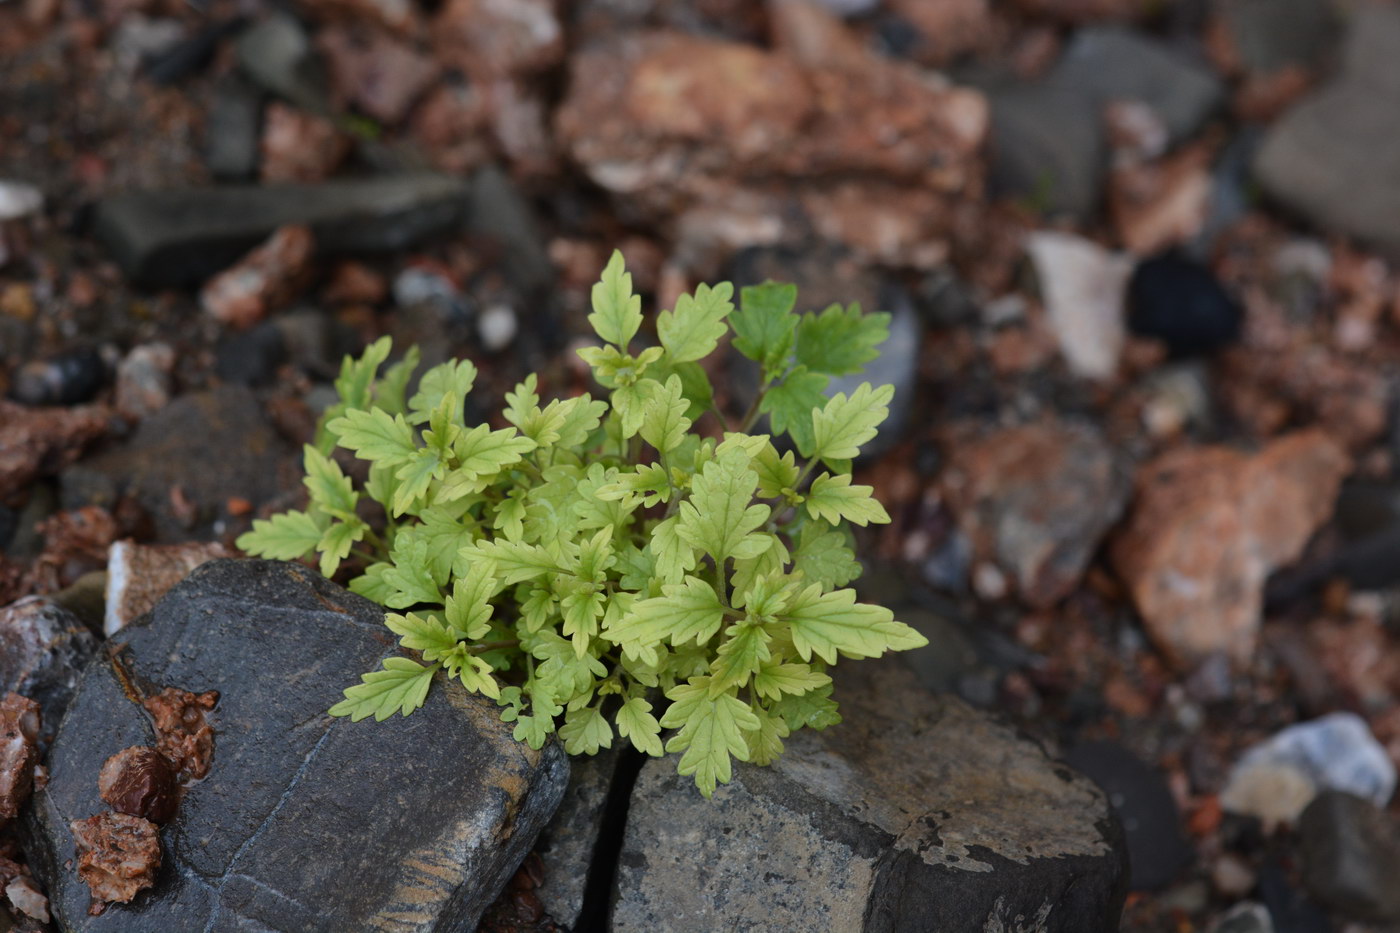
(1144,465)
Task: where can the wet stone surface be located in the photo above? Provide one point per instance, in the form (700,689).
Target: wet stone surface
(968,827)
(427,817)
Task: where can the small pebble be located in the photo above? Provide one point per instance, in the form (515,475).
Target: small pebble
(18,199)
(68,379)
(497,327)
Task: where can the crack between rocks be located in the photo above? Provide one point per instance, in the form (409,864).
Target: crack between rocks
(607,847)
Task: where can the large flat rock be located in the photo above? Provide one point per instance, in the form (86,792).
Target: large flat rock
(304,823)
(915,813)
(182,236)
(1335,157)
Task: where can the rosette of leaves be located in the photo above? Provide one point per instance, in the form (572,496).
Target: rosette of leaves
(628,567)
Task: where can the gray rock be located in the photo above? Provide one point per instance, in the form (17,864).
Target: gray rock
(567,845)
(276,54)
(231,131)
(1345,135)
(1048,144)
(211,445)
(1351,856)
(1047,147)
(1112,63)
(501,213)
(182,236)
(916,813)
(304,823)
(1273,34)
(43,650)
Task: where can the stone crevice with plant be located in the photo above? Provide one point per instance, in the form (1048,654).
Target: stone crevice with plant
(598,555)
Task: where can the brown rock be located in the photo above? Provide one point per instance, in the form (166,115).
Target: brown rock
(1161,204)
(138,575)
(144,380)
(118,856)
(36,442)
(666,111)
(1208,526)
(380,75)
(139,781)
(19,735)
(268,276)
(450,125)
(1035,500)
(489,39)
(299,146)
(355,283)
(182,734)
(75,543)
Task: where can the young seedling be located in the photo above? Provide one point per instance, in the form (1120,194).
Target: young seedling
(597,556)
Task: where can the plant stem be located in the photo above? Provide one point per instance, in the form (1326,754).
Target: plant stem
(493,645)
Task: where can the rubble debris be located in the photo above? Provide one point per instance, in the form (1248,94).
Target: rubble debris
(19,737)
(182,733)
(118,856)
(43,650)
(37,442)
(140,781)
(265,278)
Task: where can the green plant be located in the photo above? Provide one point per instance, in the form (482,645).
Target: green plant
(596,555)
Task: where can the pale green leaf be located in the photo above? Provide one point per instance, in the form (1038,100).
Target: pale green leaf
(744,649)
(826,624)
(774,680)
(689,611)
(764,326)
(400,687)
(719,517)
(331,490)
(692,331)
(376,435)
(712,731)
(845,423)
(617,313)
(585,731)
(336,542)
(636,723)
(286,536)
(832,498)
(664,423)
(451,380)
(790,403)
(840,341)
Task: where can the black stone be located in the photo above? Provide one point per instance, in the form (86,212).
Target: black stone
(1157,849)
(66,379)
(182,236)
(304,823)
(1289,905)
(1351,856)
(188,57)
(1179,302)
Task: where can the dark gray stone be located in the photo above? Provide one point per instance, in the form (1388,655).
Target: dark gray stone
(915,813)
(1351,856)
(1273,34)
(1335,157)
(43,650)
(304,823)
(1048,144)
(501,213)
(231,131)
(567,845)
(1047,147)
(182,236)
(212,445)
(1157,849)
(276,53)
